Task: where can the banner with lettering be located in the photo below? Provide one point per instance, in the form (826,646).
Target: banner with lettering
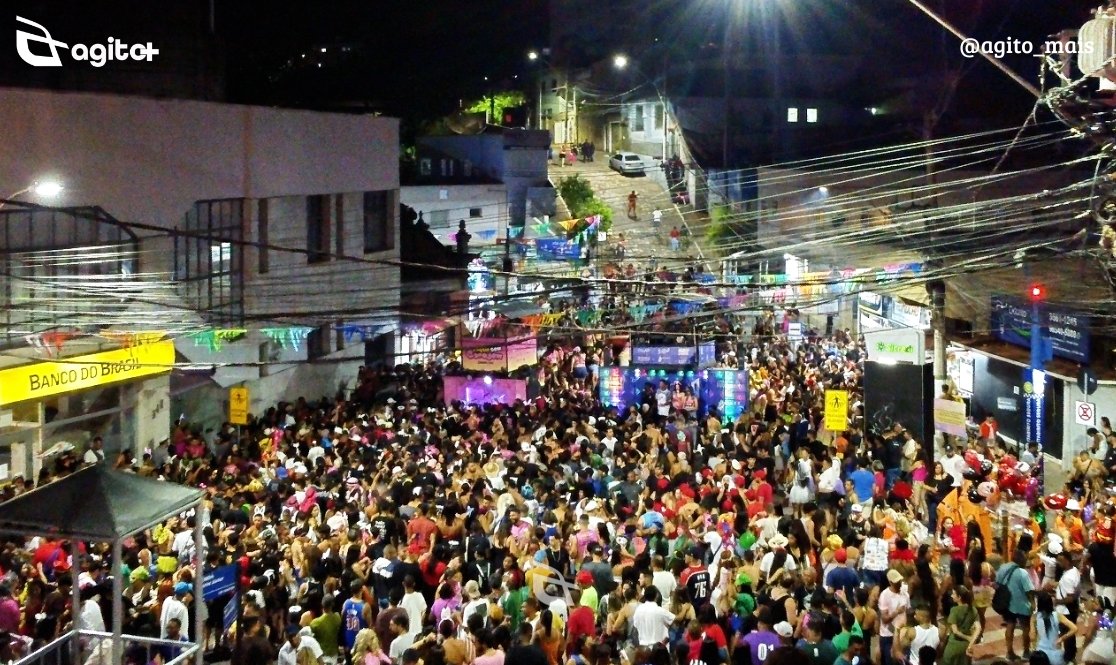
(1069,330)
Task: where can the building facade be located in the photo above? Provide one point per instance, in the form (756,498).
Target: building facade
(181,217)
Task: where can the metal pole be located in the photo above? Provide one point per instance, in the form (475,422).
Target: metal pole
(1027,85)
(75,600)
(117,601)
(199,569)
(725,73)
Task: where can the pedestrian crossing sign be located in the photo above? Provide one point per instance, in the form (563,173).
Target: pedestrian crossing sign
(836,410)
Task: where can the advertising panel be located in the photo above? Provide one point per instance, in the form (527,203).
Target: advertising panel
(675,356)
(904,345)
(484,354)
(1069,330)
(557,249)
(725,390)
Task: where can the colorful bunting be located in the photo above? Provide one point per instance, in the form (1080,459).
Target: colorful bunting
(288,338)
(129,339)
(49,343)
(215,339)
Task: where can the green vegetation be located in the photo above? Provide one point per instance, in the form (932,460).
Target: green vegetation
(495,104)
(582,202)
(722,226)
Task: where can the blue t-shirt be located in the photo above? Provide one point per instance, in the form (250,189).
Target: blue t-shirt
(352,620)
(843,577)
(1018,582)
(864,481)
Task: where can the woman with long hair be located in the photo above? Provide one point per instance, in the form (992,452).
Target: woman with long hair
(962,628)
(1046,625)
(981,578)
(549,637)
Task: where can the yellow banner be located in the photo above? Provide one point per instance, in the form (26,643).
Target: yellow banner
(836,410)
(39,380)
(238,406)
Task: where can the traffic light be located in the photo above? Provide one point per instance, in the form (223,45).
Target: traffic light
(515,116)
(1038,292)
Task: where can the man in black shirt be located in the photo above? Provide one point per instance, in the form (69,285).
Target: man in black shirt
(526,652)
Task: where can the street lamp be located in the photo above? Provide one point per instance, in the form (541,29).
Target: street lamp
(532,55)
(47,189)
(620,61)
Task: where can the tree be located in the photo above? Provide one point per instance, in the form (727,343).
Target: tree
(493,106)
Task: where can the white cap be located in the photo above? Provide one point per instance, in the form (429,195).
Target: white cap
(783,629)
(1054,548)
(591,506)
(1072,504)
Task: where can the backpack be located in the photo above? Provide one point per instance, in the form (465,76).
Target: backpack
(1001,598)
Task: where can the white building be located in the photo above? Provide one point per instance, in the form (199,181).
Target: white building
(214,216)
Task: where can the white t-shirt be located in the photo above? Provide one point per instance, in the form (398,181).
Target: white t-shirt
(954,465)
(765,563)
(662,400)
(415,605)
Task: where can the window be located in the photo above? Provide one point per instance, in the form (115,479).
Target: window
(339,224)
(476,212)
(317,343)
(447,168)
(811,115)
(467,168)
(262,236)
(792,114)
(637,117)
(379,222)
(317,228)
(424,166)
(659,116)
(209,260)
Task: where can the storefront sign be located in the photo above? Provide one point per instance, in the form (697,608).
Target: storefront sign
(910,315)
(949,417)
(872,303)
(1069,331)
(890,345)
(39,380)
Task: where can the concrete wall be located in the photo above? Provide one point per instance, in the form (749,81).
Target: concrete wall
(148,160)
(457,201)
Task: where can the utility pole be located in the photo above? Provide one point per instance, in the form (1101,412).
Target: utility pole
(726,42)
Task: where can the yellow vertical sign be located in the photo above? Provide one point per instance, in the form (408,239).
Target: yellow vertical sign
(836,410)
(238,406)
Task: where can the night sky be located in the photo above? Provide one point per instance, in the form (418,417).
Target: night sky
(418,60)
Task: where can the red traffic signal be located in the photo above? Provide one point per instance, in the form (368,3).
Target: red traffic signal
(1037,292)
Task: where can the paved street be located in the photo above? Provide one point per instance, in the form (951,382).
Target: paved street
(613,189)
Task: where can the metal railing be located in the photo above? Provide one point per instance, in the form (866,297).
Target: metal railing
(97,650)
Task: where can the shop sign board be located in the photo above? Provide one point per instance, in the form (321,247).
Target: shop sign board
(57,377)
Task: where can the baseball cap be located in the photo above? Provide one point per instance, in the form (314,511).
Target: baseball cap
(784,629)
(894,576)
(841,556)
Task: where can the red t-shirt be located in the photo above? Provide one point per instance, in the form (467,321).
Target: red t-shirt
(713,632)
(581,623)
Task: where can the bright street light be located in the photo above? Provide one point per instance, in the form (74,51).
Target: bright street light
(532,55)
(47,189)
(620,61)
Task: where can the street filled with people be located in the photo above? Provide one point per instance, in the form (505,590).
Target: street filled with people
(386,526)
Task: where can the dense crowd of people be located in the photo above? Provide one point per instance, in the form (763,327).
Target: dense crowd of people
(386,527)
